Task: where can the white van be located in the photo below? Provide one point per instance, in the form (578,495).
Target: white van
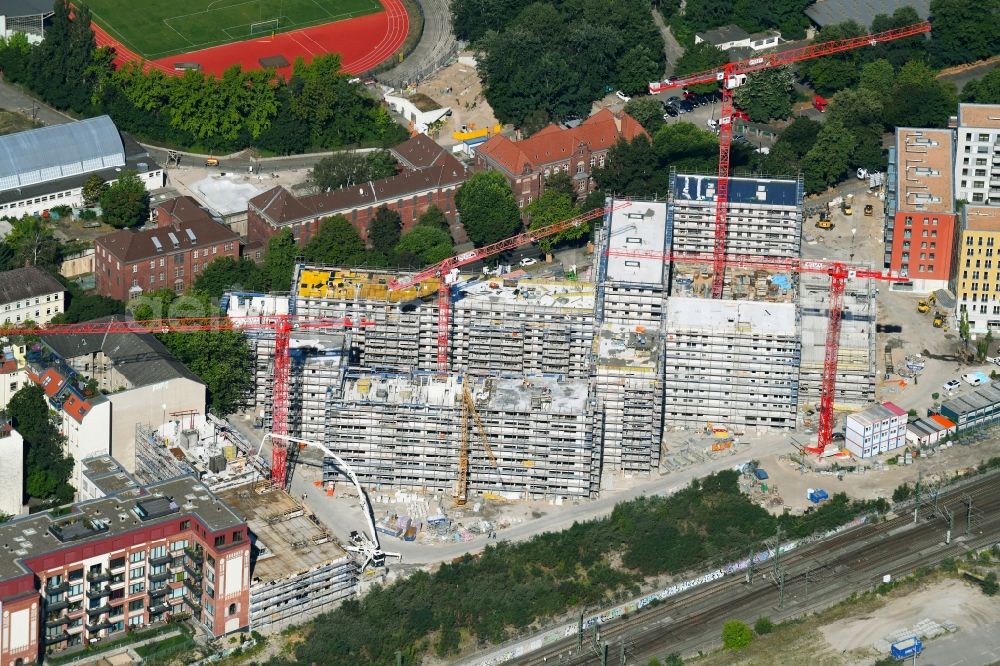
(973,378)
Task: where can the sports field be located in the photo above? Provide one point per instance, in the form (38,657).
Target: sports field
(157,28)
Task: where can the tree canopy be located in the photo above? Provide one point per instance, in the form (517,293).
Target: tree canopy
(384,230)
(985,90)
(487,207)
(126,202)
(647,110)
(46,469)
(964,31)
(555,206)
(698,58)
(579,49)
(766,94)
(423,245)
(343,169)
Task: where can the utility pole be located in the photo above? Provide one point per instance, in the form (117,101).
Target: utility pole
(777,551)
(399,658)
(579,632)
(781,588)
(951,522)
(749,577)
(604,654)
(968,515)
(916,506)
(621,652)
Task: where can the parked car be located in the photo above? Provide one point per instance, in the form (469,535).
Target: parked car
(686,106)
(529,261)
(975,378)
(837,437)
(622,96)
(670,112)
(951,385)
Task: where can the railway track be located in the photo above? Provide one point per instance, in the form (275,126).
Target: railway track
(817,576)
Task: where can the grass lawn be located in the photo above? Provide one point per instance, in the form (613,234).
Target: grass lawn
(159,28)
(166,647)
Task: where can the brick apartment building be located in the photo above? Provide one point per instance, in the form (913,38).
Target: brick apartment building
(171,255)
(920,215)
(576,151)
(430,176)
(123,561)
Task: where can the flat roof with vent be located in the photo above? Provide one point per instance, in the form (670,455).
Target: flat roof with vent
(26,540)
(924,173)
(722,317)
(986,116)
(641,226)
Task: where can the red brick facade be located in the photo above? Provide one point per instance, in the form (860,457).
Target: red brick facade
(128,263)
(553,150)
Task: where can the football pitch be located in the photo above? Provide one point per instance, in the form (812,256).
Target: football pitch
(159,28)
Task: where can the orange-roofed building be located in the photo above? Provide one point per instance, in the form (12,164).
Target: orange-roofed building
(930,430)
(576,151)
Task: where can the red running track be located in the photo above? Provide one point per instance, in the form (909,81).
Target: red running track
(362,43)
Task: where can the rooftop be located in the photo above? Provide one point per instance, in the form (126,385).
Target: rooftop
(557,294)
(555,144)
(863,12)
(419,152)
(877,414)
(286,541)
(34,536)
(640,226)
(129,245)
(982,218)
(26,7)
(770,192)
(723,35)
(526,394)
(139,357)
(107,475)
(56,151)
(628,347)
(226,195)
(984,396)
(924,170)
(986,116)
(27,282)
(722,317)
(338,284)
(423,102)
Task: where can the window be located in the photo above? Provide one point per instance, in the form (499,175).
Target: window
(76,590)
(159,551)
(220,540)
(138,604)
(138,556)
(179,545)
(232,609)
(237,536)
(163,262)
(984,137)
(185,525)
(117,563)
(136,572)
(135,267)
(136,588)
(152,264)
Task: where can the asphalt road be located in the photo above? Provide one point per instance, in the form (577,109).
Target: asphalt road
(816,577)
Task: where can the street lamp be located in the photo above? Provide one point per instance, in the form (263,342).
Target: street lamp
(854,231)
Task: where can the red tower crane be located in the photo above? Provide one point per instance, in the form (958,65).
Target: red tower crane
(733,75)
(281,325)
(442,270)
(839,273)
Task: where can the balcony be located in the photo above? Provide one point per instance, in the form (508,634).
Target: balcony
(193,585)
(158,593)
(163,559)
(59,638)
(103,608)
(193,570)
(56,605)
(161,607)
(194,605)
(98,592)
(92,628)
(57,621)
(57,588)
(165,575)
(99,577)
(195,554)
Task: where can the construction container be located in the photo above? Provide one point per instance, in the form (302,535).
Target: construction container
(188,439)
(817,495)
(216,463)
(760,474)
(907,648)
(229,451)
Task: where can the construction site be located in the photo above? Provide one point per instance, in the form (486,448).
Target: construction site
(535,385)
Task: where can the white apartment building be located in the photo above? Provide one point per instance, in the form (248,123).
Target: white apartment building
(878,429)
(977,156)
(30,294)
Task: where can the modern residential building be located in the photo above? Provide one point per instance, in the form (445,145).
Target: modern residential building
(734,37)
(12,469)
(30,294)
(433,179)
(171,255)
(551,150)
(920,215)
(876,430)
(47,167)
(977,154)
(103,385)
(405,431)
(976,283)
(731,362)
(127,560)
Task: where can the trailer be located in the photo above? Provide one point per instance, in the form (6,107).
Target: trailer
(906,648)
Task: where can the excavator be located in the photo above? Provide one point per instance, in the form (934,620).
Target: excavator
(939,318)
(924,306)
(824,221)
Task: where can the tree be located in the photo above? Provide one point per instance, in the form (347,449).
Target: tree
(336,243)
(877,76)
(766,94)
(279,261)
(919,99)
(829,158)
(858,107)
(800,135)
(487,208)
(222,359)
(126,203)
(647,110)
(561,182)
(673,659)
(46,469)
(686,147)
(984,91)
(638,67)
(632,169)
(228,273)
(33,243)
(93,188)
(763,626)
(433,217)
(384,230)
(422,246)
(698,58)
(552,207)
(348,168)
(736,635)
(989,584)
(902,493)
(86,307)
(963,31)
(838,71)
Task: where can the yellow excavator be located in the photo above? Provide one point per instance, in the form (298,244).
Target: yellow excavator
(924,306)
(939,318)
(824,221)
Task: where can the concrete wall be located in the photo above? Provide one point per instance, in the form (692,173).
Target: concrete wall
(11,473)
(92,437)
(79,264)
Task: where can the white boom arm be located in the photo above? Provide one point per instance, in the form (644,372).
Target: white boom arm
(369,547)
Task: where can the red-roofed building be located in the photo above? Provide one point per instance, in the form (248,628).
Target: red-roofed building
(551,150)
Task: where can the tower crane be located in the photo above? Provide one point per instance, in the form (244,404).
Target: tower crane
(365,545)
(447,270)
(839,273)
(733,75)
(469,409)
(281,325)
